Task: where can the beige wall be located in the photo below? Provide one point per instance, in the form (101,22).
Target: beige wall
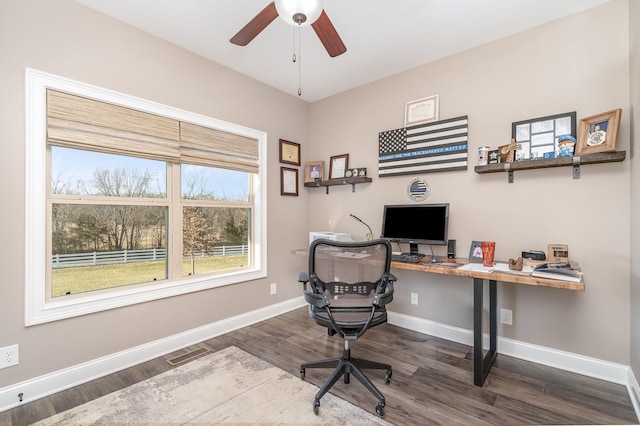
(579,63)
(634,58)
(563,66)
(67,39)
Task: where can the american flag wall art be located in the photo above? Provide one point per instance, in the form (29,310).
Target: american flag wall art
(425,148)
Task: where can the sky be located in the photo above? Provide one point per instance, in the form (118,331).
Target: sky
(71,165)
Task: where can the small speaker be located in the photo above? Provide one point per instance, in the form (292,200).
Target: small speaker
(451,249)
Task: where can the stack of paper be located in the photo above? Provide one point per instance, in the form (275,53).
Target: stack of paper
(558,271)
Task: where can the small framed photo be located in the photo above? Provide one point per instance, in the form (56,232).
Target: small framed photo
(288,181)
(289,152)
(314,171)
(421,111)
(599,133)
(475,252)
(338,166)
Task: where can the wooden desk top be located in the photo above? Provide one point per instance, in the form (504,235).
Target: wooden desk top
(504,277)
(495,275)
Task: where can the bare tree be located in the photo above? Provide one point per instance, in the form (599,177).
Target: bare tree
(124,224)
(197,233)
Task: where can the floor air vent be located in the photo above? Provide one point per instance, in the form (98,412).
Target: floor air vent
(188,356)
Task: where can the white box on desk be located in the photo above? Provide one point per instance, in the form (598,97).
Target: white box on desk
(335,236)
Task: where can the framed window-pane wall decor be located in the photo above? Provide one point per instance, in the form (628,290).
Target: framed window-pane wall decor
(538,137)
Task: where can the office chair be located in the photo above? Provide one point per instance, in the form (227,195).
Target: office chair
(349,288)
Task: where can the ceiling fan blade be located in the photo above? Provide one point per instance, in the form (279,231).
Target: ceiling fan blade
(329,36)
(256,25)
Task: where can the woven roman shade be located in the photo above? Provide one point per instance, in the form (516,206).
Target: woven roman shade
(204,146)
(81,123)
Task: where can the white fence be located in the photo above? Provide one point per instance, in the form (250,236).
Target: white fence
(129,256)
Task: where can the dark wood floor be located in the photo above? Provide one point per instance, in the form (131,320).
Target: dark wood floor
(431,384)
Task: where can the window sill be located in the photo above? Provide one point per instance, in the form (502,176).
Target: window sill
(92,302)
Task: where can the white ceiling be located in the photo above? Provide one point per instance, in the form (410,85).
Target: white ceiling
(383,37)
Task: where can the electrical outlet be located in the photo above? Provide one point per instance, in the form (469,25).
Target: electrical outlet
(506,316)
(273,288)
(9,356)
(414,298)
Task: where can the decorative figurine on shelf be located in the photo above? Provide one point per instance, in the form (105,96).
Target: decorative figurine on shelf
(566,144)
(516,265)
(507,152)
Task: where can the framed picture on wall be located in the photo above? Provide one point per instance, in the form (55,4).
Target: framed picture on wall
(421,111)
(289,152)
(599,133)
(288,181)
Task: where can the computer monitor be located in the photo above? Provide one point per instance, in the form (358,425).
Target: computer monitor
(416,224)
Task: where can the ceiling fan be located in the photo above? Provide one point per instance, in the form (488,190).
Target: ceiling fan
(301,13)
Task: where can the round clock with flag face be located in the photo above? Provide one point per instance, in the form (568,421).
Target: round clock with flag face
(418,189)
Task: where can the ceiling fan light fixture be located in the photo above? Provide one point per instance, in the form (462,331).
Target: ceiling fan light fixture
(300,12)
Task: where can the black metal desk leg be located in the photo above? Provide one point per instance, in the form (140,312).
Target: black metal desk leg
(482,364)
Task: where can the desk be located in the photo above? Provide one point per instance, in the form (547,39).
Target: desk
(482,363)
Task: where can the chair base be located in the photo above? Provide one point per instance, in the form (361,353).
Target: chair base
(347,366)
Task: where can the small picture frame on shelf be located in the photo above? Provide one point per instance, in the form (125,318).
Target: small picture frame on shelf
(288,181)
(338,166)
(475,252)
(599,133)
(356,172)
(314,171)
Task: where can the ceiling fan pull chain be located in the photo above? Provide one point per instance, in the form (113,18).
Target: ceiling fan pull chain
(293,58)
(299,62)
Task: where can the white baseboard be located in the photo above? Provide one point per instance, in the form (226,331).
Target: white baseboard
(57,381)
(634,392)
(592,367)
(580,364)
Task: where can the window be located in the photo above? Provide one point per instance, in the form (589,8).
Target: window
(142,201)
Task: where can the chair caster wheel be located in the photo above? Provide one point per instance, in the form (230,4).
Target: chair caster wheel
(302,373)
(387,377)
(380,409)
(316,407)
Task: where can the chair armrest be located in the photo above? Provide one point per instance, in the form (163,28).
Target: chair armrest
(303,277)
(317,300)
(381,299)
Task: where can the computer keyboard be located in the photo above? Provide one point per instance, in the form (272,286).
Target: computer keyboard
(407,257)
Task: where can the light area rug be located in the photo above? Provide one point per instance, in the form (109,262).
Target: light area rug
(228,386)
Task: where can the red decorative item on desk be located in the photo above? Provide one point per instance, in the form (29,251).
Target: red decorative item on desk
(488,251)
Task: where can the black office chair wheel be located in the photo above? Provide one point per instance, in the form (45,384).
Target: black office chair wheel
(316,407)
(387,377)
(302,373)
(380,409)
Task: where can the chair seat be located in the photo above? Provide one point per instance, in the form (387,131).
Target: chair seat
(349,320)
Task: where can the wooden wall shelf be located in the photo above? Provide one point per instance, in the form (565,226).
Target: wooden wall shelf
(353,181)
(575,162)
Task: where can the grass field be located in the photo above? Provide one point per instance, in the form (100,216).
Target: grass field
(89,278)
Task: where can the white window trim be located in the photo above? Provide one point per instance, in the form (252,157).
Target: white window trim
(37,310)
